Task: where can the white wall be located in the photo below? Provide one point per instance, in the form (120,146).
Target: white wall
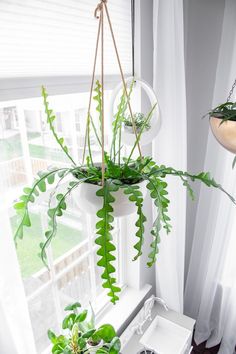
(203,25)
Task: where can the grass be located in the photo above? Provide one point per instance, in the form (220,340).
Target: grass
(11,148)
(28,248)
(46,153)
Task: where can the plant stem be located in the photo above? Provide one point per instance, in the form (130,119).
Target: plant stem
(50,120)
(119,147)
(140,133)
(95,132)
(89,145)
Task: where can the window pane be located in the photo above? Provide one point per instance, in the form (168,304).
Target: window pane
(75,284)
(27,147)
(44,315)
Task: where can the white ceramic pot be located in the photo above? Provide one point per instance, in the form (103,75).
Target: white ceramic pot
(128,137)
(87,200)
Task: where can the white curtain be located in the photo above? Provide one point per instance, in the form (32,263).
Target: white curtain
(210,294)
(170,145)
(16,336)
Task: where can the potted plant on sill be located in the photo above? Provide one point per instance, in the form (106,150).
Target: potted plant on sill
(123,180)
(81,336)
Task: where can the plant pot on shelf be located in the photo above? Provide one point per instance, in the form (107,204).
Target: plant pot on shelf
(224,133)
(86,199)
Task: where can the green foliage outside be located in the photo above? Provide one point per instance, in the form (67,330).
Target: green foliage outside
(27,250)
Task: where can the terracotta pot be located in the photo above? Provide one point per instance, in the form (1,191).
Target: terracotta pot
(87,200)
(224,133)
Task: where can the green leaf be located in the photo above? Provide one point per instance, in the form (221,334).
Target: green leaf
(72,307)
(27,190)
(115,346)
(82,316)
(69,321)
(106,332)
(136,196)
(104,240)
(157,188)
(50,119)
(42,185)
(52,336)
(89,333)
(52,224)
(117,124)
(156,240)
(98,99)
(21,206)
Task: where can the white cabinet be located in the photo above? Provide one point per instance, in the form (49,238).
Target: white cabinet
(168,333)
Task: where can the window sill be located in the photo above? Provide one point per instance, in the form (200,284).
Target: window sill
(121,314)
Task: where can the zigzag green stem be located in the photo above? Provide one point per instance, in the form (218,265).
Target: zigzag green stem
(95,131)
(156,239)
(106,247)
(203,177)
(50,120)
(50,233)
(136,196)
(29,196)
(159,202)
(116,125)
(89,145)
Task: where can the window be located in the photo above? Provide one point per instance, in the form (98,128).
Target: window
(52,43)
(26,148)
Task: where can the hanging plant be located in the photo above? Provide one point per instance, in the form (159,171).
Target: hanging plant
(139,121)
(151,124)
(223,123)
(121,175)
(116,177)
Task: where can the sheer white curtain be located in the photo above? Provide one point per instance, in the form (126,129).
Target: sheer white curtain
(211,283)
(16,336)
(170,145)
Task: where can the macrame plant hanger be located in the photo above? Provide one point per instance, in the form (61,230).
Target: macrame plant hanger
(99,13)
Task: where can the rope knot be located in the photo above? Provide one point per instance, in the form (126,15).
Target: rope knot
(99,8)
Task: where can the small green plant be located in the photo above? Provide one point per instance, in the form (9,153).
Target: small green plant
(81,335)
(225,111)
(139,121)
(121,173)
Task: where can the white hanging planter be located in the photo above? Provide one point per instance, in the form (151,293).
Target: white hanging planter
(128,136)
(87,200)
